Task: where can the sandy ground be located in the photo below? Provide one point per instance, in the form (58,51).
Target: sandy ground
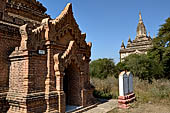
(111,106)
(104,107)
(144,108)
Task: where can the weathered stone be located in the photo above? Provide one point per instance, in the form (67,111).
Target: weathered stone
(44,62)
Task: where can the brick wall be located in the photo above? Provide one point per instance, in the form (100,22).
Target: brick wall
(9,38)
(4,67)
(27,82)
(18,70)
(2,7)
(37,73)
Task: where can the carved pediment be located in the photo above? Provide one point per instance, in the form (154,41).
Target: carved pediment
(58,33)
(65,23)
(63,29)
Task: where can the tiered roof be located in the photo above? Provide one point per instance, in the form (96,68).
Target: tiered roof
(142,41)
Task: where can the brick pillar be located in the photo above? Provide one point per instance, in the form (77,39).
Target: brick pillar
(23,96)
(83,97)
(87,91)
(51,95)
(61,102)
(61,95)
(18,83)
(47,82)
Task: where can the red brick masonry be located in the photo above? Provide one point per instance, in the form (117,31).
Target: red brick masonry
(123,101)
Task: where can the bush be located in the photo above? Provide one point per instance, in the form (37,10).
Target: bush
(101,94)
(102,68)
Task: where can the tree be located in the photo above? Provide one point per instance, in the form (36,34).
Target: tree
(140,66)
(161,49)
(119,68)
(102,68)
(143,67)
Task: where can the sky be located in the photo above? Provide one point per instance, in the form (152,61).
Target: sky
(108,22)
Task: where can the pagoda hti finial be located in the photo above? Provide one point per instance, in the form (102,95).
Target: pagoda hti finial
(140,17)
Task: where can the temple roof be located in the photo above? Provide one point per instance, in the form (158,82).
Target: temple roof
(31,10)
(142,42)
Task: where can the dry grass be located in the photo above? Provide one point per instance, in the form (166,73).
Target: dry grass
(108,88)
(144,108)
(151,98)
(158,92)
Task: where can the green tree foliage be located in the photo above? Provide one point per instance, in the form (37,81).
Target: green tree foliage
(161,49)
(156,64)
(119,68)
(102,68)
(143,67)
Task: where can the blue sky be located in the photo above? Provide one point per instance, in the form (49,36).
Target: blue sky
(108,22)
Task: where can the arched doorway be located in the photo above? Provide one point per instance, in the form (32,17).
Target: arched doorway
(71,85)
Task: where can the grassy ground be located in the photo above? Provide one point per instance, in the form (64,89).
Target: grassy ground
(151,98)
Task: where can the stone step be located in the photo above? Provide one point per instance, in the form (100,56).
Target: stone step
(82,109)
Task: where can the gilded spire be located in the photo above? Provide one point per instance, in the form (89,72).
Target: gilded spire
(140,17)
(141,30)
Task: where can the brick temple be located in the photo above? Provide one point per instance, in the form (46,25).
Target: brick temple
(44,62)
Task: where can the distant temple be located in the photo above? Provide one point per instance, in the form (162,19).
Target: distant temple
(141,43)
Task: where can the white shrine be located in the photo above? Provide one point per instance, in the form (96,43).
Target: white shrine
(126,94)
(123,84)
(130,76)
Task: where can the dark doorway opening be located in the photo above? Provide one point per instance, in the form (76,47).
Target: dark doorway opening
(71,86)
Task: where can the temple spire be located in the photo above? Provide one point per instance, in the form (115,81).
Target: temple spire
(123,45)
(141,30)
(140,17)
(129,39)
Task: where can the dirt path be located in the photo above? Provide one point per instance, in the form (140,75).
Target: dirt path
(110,106)
(104,107)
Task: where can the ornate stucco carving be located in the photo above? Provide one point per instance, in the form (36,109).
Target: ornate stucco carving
(32,39)
(24,31)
